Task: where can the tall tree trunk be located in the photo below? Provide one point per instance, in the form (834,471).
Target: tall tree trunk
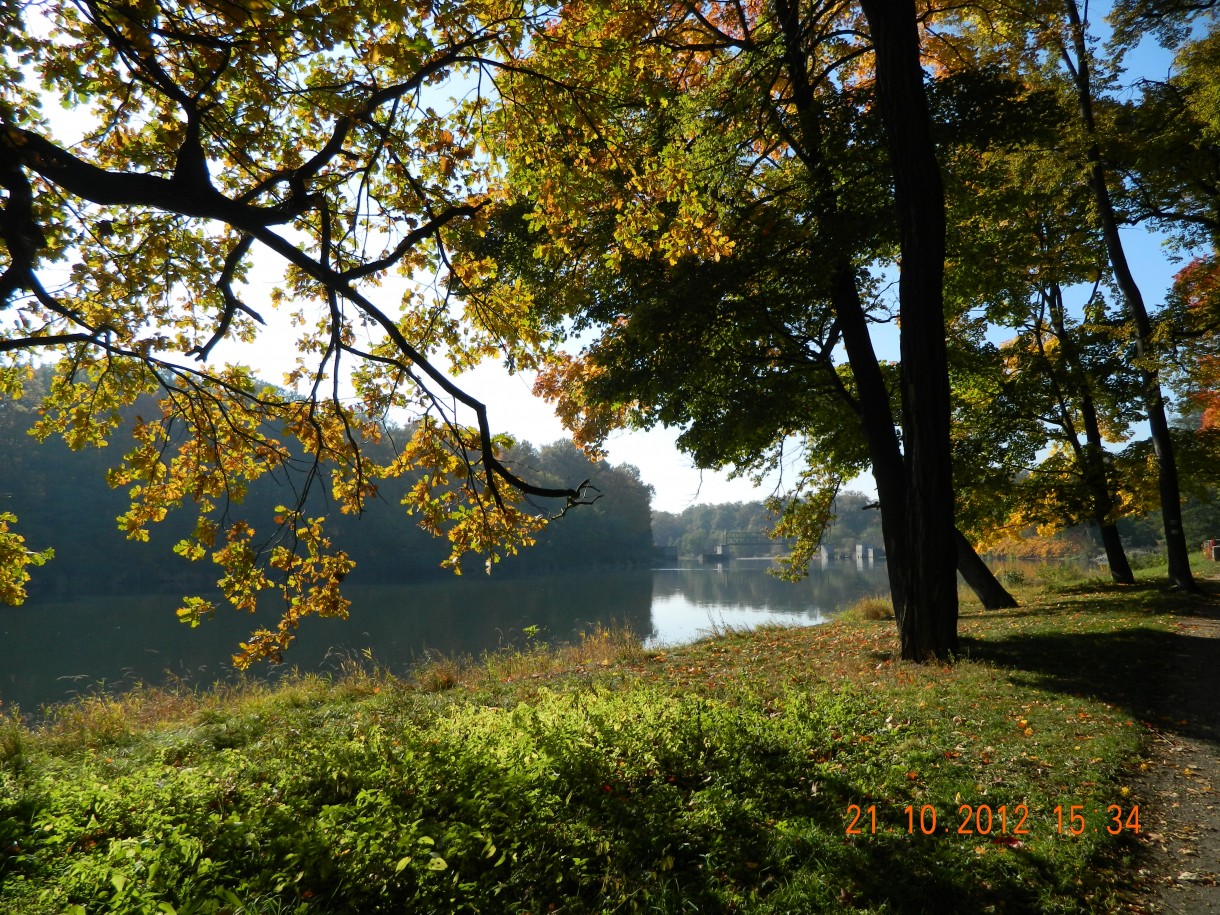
(1091,457)
(1133,299)
(929,626)
(873,398)
(1116,556)
(1101,494)
(877,421)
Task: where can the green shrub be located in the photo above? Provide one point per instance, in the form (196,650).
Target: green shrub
(12,739)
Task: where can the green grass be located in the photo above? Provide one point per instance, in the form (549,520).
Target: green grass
(719,777)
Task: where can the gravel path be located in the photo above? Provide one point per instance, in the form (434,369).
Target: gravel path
(1179,867)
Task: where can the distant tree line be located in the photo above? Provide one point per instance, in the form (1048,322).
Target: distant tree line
(700,528)
(64,502)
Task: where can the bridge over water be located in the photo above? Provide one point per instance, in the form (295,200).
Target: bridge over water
(748,545)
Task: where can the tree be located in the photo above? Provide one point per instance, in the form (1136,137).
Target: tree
(1195,323)
(709,198)
(1058,47)
(929,625)
(1165,148)
(1078,63)
(1080,389)
(308,134)
(1033,418)
(694,219)
(1171,178)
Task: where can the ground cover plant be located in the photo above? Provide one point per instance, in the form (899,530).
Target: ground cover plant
(782,770)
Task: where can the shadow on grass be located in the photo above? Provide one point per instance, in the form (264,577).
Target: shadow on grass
(1168,679)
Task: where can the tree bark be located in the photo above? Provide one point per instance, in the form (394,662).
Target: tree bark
(873,397)
(1091,457)
(1116,556)
(877,421)
(986,587)
(1162,442)
(929,626)
(1101,494)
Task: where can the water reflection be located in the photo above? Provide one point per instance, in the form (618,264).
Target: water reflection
(50,651)
(690,601)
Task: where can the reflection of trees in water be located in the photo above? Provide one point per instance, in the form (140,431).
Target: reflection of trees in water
(469,617)
(51,651)
(123,639)
(828,589)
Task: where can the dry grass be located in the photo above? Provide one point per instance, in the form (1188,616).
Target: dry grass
(440,673)
(870,608)
(600,647)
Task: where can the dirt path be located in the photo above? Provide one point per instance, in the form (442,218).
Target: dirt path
(1179,864)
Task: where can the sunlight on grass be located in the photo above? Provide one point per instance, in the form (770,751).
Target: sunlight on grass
(780,770)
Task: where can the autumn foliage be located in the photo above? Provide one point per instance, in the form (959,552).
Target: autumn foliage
(1197,287)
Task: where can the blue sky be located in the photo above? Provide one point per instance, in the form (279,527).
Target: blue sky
(677,482)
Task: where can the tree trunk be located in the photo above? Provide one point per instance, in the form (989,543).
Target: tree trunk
(1116,556)
(1133,299)
(1101,495)
(873,398)
(986,586)
(877,421)
(929,625)
(1091,457)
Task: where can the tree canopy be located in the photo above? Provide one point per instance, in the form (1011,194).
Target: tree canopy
(319,138)
(719,196)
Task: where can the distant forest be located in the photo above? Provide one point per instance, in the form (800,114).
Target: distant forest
(700,528)
(61,500)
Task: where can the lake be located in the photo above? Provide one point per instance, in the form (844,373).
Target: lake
(51,651)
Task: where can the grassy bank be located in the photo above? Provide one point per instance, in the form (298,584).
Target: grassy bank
(720,777)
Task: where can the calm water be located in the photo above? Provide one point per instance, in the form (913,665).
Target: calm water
(51,651)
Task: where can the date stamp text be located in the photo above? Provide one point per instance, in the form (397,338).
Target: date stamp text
(988,820)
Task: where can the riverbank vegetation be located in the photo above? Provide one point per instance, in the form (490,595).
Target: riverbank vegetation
(781,770)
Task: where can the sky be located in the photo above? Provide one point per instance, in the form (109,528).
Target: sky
(677,483)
